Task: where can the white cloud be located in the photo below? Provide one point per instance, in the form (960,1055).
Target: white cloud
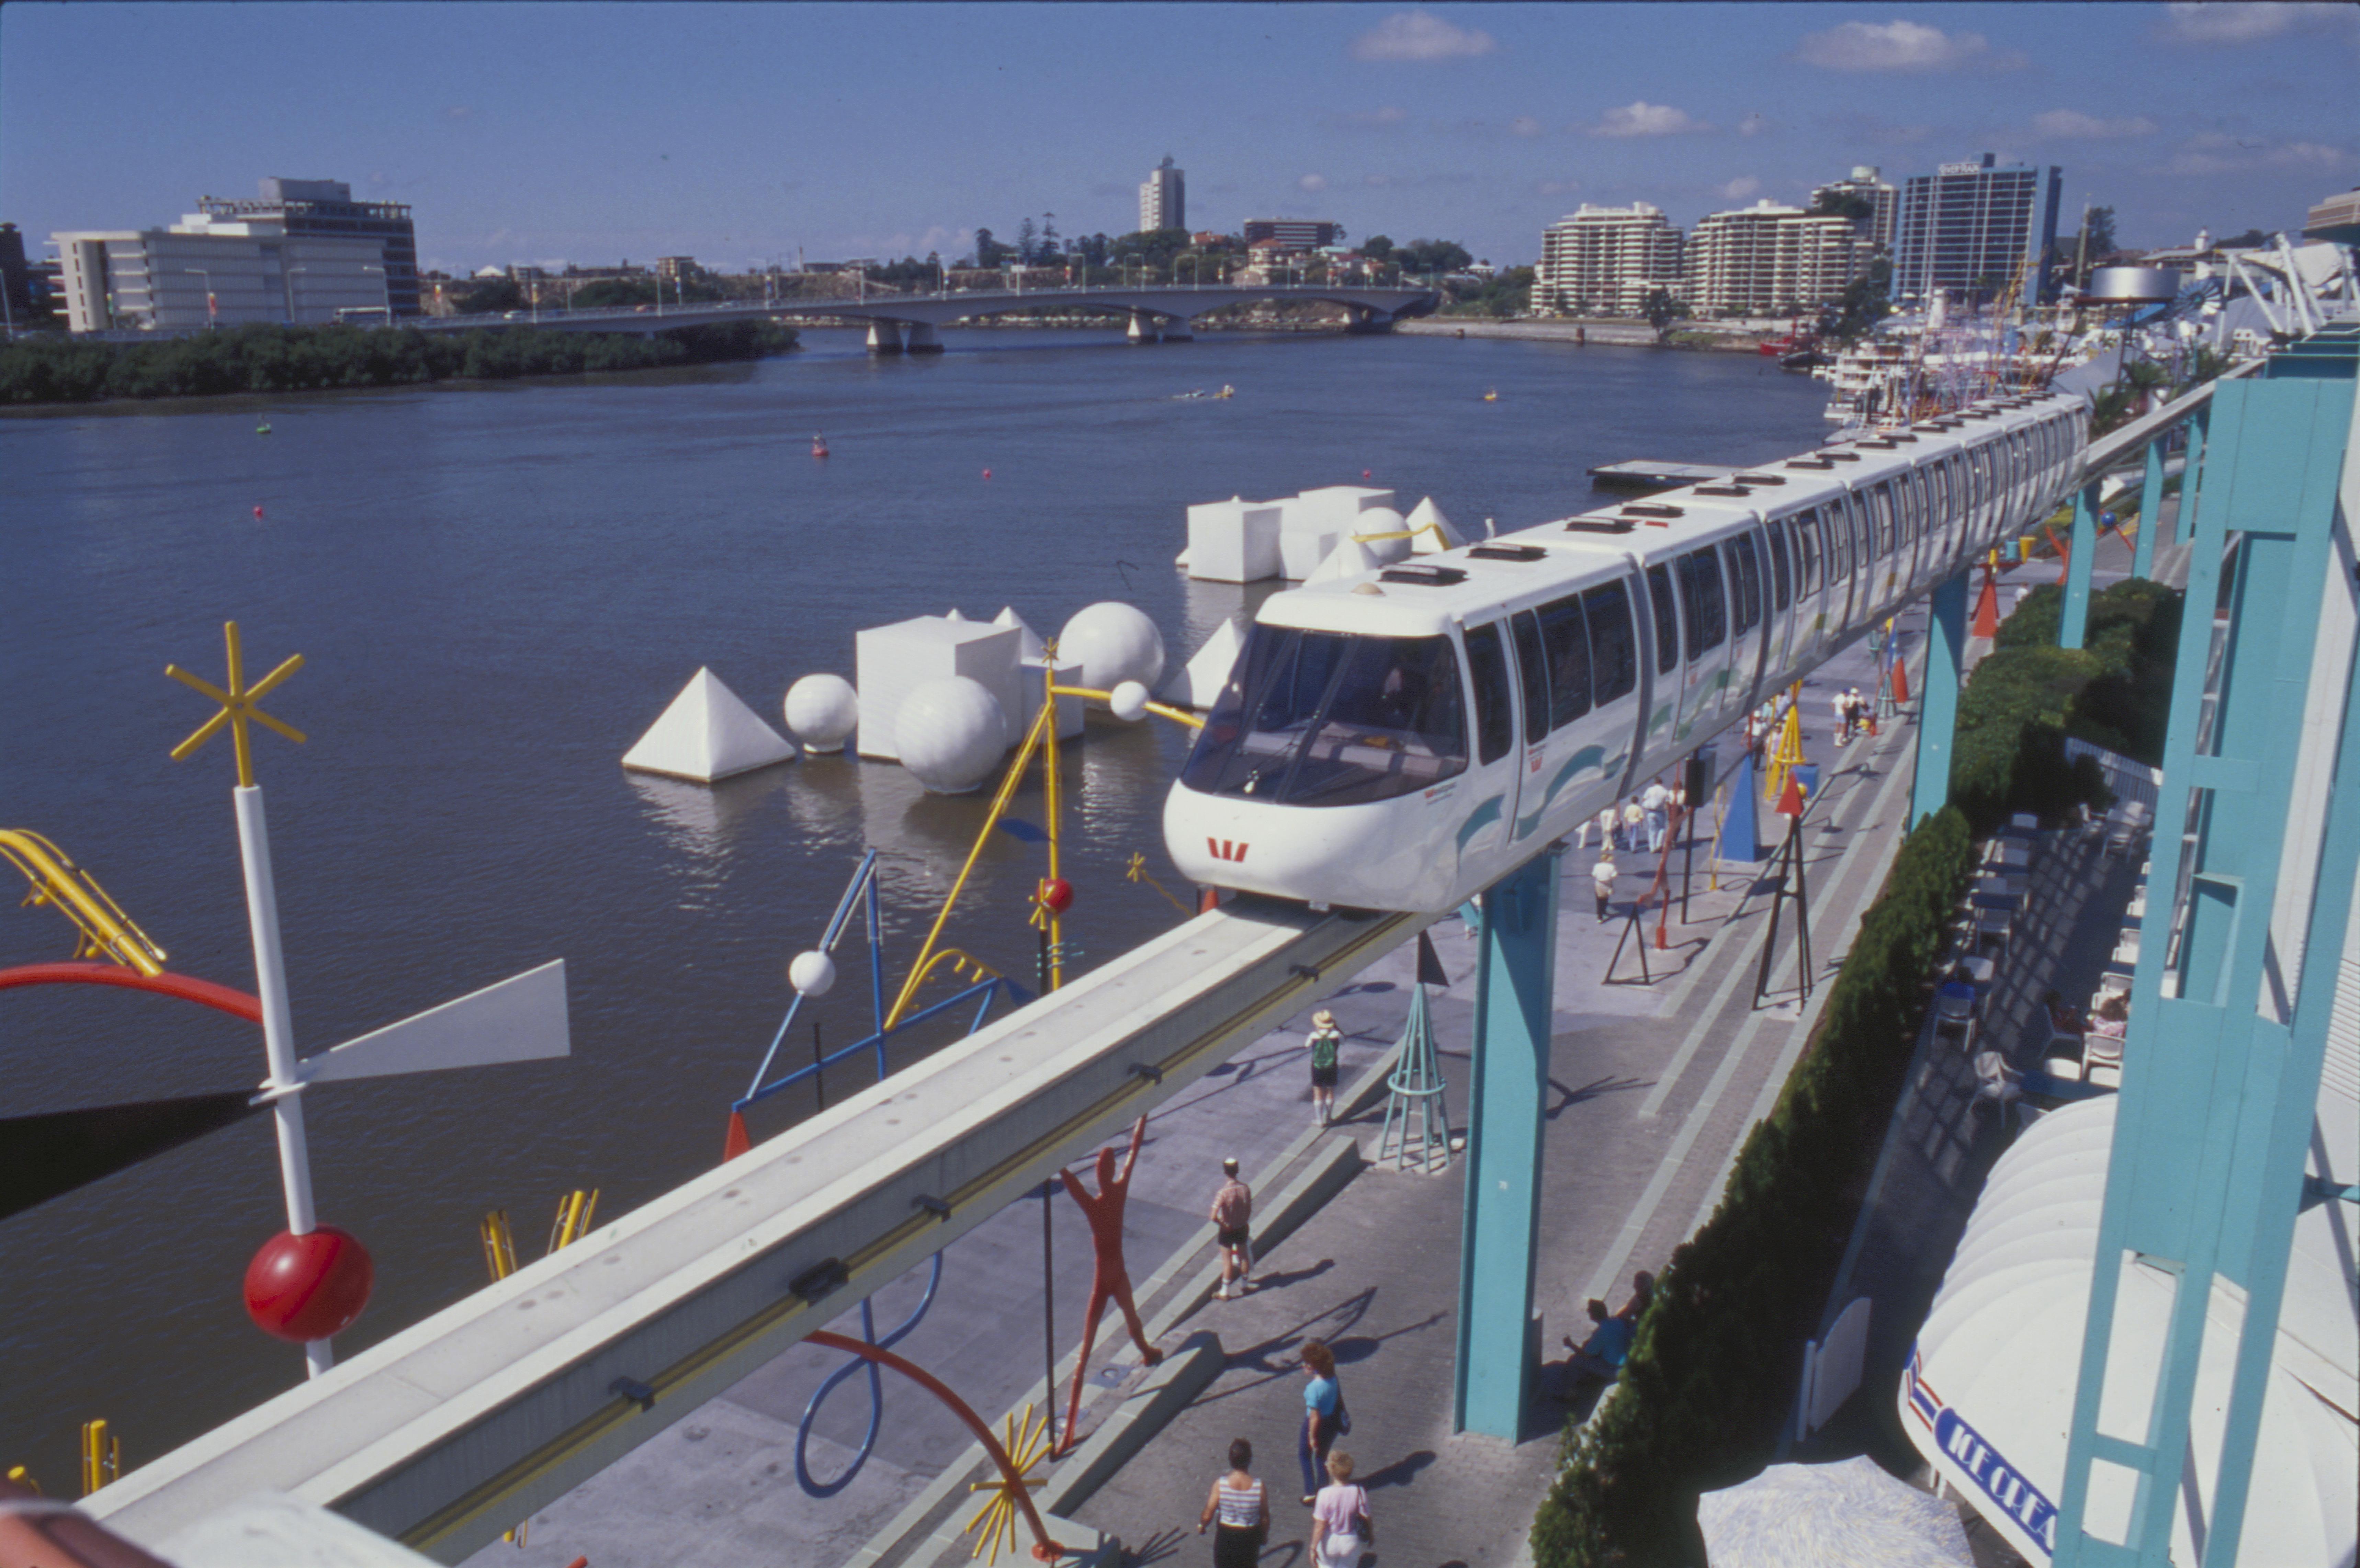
(1390,114)
(1644,119)
(1524,125)
(2247,21)
(1419,35)
(1894,46)
(1739,189)
(2072,124)
(1556,187)
(2212,152)
(1312,182)
(458,111)
(1753,126)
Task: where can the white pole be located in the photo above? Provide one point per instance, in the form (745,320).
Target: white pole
(278,1030)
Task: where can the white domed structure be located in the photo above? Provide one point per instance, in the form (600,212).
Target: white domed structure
(1113,643)
(950,732)
(812,974)
(1382,520)
(823,711)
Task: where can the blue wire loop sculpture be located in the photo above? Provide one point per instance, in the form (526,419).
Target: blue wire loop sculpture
(876,1392)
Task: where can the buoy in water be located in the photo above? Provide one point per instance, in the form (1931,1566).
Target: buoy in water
(819,446)
(1364,474)
(263,429)
(986,473)
(257,511)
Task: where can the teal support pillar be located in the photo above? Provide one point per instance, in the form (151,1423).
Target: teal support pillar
(2074,625)
(2228,1026)
(1499,1343)
(2151,510)
(1938,701)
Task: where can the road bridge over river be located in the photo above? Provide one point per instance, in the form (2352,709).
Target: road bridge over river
(906,322)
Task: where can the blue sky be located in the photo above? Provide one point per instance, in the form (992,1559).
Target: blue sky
(554,132)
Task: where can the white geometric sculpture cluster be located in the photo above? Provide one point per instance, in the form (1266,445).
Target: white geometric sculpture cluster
(707,733)
(891,662)
(1239,540)
(1196,683)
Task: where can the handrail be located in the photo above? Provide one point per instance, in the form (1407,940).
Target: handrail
(2102,452)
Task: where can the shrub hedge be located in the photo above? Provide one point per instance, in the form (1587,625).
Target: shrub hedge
(1713,1365)
(60,369)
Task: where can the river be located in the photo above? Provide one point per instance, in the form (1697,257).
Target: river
(496,589)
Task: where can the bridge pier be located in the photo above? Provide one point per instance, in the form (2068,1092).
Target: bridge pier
(923,339)
(1368,319)
(1177,330)
(884,337)
(1938,698)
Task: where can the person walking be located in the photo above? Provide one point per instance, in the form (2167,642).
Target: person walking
(1654,801)
(1323,1042)
(1635,823)
(1232,1219)
(1602,881)
(1606,819)
(1324,1420)
(1341,1523)
(1237,1510)
(1843,705)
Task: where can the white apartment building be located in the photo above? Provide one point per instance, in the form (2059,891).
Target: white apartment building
(1884,199)
(1605,261)
(204,271)
(1769,260)
(1163,199)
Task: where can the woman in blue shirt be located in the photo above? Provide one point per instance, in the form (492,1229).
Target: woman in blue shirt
(1323,1416)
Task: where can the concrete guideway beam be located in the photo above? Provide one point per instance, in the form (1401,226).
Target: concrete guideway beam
(447,1433)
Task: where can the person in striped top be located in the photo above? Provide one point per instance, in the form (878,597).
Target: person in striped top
(1239,1508)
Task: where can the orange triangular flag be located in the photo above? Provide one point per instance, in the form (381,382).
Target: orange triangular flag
(1987,610)
(736,1142)
(1790,800)
(1900,682)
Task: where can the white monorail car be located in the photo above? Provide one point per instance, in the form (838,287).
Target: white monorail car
(1403,738)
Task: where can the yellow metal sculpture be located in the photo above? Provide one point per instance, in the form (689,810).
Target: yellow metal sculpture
(106,931)
(1137,872)
(995,1528)
(238,706)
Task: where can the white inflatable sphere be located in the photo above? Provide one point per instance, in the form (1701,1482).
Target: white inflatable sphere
(1382,520)
(823,711)
(1114,643)
(812,974)
(950,733)
(1130,701)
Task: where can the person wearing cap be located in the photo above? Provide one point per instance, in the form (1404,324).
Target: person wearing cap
(1323,1042)
(1232,1219)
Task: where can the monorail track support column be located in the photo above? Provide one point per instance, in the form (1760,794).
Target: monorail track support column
(1937,697)
(2151,509)
(1499,1340)
(2073,625)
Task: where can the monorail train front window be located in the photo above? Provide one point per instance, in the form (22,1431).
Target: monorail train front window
(1326,719)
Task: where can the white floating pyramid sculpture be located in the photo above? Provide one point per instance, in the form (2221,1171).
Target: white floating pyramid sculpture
(1027,641)
(1196,683)
(707,733)
(1426,522)
(1349,559)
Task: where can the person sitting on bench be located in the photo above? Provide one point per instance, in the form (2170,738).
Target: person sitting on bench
(1602,1354)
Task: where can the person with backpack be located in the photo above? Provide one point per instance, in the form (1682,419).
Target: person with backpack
(1323,1042)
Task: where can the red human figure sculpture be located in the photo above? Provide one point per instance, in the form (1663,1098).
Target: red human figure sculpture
(1108,1276)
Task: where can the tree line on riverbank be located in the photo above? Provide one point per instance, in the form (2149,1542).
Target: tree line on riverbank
(47,369)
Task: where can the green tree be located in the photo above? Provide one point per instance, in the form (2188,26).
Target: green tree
(1028,242)
(1662,309)
(1433,255)
(1844,204)
(987,250)
(2098,230)
(1377,247)
(491,295)
(2252,239)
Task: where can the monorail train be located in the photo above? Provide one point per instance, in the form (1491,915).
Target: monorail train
(1403,738)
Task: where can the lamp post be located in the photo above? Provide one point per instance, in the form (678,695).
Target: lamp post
(208,277)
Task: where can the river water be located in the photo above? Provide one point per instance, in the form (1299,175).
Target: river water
(496,591)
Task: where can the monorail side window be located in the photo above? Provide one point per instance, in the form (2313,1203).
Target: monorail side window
(1807,553)
(1494,721)
(1532,670)
(1326,719)
(1701,602)
(1566,638)
(1778,581)
(1745,572)
(1838,541)
(1667,620)
(1881,505)
(1613,642)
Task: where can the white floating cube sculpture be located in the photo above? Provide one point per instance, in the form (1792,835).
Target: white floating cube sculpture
(1301,549)
(707,733)
(1432,532)
(1071,710)
(1317,519)
(889,662)
(1114,642)
(1234,540)
(952,732)
(1027,641)
(1199,682)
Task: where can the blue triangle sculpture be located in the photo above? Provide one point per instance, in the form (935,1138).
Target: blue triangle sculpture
(1418,1094)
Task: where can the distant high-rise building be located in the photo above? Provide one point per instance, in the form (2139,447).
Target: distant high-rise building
(1768,259)
(1606,260)
(1883,201)
(1292,233)
(16,277)
(1164,199)
(1974,226)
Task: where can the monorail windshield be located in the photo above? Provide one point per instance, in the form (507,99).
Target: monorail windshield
(1325,719)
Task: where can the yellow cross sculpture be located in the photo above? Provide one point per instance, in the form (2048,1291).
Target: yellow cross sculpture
(238,706)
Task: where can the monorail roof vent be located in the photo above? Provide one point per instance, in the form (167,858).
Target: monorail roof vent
(1755,479)
(1601,525)
(1425,576)
(1651,509)
(1720,490)
(1506,552)
(1820,464)
(1840,456)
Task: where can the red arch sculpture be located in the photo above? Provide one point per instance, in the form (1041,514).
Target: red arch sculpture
(188,987)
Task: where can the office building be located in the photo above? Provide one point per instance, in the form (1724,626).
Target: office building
(16,277)
(1604,261)
(1973,227)
(1868,185)
(1291,236)
(1768,260)
(1164,199)
(304,253)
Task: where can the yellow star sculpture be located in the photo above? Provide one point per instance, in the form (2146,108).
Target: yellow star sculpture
(238,706)
(1027,1444)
